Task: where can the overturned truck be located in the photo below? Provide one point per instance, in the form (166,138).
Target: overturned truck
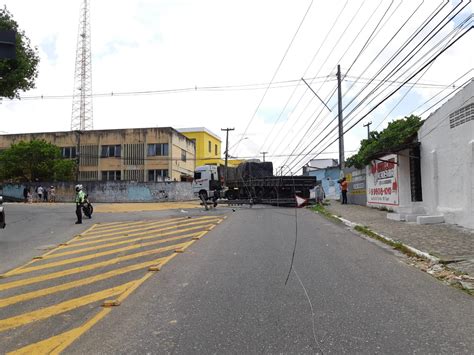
(250,181)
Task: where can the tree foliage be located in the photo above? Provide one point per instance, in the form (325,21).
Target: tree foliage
(20,73)
(396,134)
(36,160)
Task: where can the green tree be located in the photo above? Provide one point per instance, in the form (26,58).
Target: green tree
(36,160)
(20,73)
(397,133)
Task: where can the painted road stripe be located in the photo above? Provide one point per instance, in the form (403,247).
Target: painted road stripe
(128,241)
(13,271)
(136,234)
(67,286)
(55,275)
(144,225)
(58,343)
(94,256)
(44,313)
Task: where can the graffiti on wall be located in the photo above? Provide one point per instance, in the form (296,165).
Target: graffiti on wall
(382,181)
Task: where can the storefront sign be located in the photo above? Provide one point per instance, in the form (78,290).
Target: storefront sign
(382,181)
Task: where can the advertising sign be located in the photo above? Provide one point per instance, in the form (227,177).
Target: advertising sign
(382,181)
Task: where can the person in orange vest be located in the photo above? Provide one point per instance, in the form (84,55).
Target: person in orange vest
(344,190)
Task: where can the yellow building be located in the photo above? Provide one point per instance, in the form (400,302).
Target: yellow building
(137,154)
(208,145)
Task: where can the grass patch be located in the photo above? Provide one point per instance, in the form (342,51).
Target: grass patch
(321,210)
(395,245)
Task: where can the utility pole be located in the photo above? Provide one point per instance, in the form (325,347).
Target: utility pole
(368,129)
(226,149)
(340,118)
(263,153)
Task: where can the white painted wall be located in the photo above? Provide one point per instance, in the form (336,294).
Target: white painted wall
(447,162)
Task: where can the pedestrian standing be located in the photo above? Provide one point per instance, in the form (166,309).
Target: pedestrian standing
(45,195)
(52,194)
(26,191)
(344,185)
(80,197)
(40,191)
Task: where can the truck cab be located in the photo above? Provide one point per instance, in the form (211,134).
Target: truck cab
(206,181)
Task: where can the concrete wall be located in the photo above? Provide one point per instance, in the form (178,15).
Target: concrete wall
(357,186)
(447,159)
(113,191)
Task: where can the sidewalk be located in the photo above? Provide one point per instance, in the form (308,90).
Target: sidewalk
(450,243)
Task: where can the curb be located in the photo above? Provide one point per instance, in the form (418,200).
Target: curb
(419,253)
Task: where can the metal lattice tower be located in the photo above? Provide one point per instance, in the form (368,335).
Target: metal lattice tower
(82,97)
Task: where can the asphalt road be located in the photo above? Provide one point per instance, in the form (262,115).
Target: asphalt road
(227,294)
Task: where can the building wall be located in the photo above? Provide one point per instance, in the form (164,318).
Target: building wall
(112,191)
(329,178)
(357,183)
(133,163)
(203,155)
(447,159)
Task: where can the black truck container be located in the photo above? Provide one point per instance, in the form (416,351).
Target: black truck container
(256,181)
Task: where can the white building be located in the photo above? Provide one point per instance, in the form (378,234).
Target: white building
(431,180)
(447,159)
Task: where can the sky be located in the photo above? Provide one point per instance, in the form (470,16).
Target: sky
(242,63)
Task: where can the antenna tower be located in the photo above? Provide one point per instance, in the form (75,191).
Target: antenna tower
(82,97)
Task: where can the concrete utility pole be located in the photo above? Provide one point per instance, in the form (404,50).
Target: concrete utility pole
(340,118)
(226,149)
(368,129)
(263,153)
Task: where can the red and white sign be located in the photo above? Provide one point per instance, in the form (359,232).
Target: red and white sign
(300,201)
(382,181)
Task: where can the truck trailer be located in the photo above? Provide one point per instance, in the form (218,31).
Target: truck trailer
(253,182)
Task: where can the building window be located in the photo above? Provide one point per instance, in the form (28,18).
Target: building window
(157,175)
(157,149)
(111,151)
(210,146)
(183,155)
(111,175)
(215,149)
(68,152)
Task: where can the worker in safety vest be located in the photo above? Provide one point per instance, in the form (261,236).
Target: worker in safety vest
(80,197)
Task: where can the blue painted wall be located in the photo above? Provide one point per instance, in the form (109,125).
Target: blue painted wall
(329,177)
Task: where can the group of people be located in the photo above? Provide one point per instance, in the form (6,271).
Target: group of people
(40,194)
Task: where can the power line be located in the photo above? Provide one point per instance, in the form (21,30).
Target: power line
(431,17)
(277,70)
(294,91)
(391,94)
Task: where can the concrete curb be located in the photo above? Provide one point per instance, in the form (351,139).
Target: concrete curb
(419,253)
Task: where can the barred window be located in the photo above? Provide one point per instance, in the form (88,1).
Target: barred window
(111,151)
(68,152)
(158,149)
(111,175)
(157,174)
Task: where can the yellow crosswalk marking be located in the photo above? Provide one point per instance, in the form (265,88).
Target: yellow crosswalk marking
(63,273)
(13,271)
(58,343)
(143,226)
(136,234)
(128,241)
(96,255)
(63,307)
(4,302)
